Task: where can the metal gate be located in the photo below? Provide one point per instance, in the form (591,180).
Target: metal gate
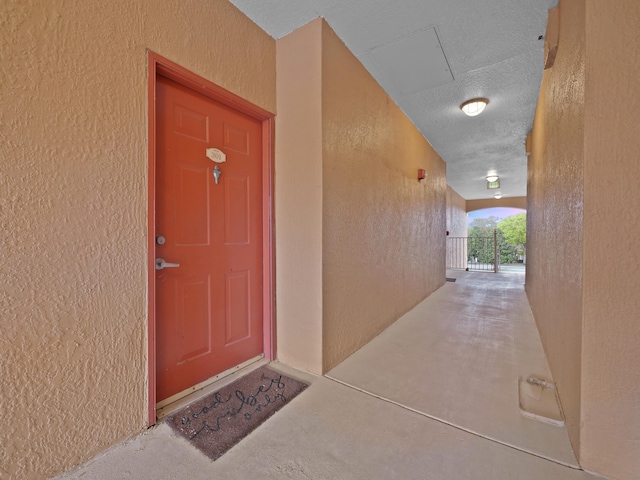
(473,253)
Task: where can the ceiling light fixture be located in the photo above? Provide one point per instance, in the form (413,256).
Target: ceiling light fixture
(492,178)
(474,107)
(497,196)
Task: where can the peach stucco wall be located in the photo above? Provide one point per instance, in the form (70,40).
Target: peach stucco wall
(298,178)
(611,276)
(456,214)
(512,202)
(352,202)
(383,231)
(73,129)
(554,216)
(583,272)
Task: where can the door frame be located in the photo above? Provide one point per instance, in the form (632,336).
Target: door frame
(158,65)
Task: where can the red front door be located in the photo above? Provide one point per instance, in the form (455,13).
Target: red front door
(209,234)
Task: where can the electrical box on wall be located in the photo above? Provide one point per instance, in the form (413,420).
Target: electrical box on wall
(551,37)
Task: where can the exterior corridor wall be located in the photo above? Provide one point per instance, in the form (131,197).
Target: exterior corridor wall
(383,232)
(298,172)
(73,129)
(456,214)
(554,215)
(611,276)
(583,273)
(509,202)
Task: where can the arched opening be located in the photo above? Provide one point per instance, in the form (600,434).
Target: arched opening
(495,241)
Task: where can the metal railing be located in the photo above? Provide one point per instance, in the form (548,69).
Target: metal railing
(473,253)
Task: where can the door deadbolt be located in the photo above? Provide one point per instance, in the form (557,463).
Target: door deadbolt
(160,240)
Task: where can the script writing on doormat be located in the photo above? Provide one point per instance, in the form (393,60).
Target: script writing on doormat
(220,420)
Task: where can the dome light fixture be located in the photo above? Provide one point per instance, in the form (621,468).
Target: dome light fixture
(492,178)
(497,196)
(474,107)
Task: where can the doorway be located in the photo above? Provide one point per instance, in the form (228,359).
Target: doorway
(210,245)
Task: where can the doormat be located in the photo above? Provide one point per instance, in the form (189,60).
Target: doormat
(451,279)
(220,420)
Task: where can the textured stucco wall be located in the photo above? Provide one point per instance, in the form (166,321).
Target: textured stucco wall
(358,240)
(583,274)
(383,231)
(73,195)
(298,178)
(513,202)
(456,214)
(611,300)
(555,209)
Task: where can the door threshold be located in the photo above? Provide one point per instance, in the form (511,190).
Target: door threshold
(182,399)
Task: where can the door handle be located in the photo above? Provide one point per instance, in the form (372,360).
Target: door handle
(160,264)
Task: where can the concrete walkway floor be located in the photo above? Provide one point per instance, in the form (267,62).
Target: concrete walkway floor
(435,396)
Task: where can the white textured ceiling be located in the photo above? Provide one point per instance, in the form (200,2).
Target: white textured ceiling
(432,55)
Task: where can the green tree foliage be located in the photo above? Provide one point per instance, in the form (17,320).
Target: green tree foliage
(515,229)
(508,253)
(484,227)
(509,235)
(480,243)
